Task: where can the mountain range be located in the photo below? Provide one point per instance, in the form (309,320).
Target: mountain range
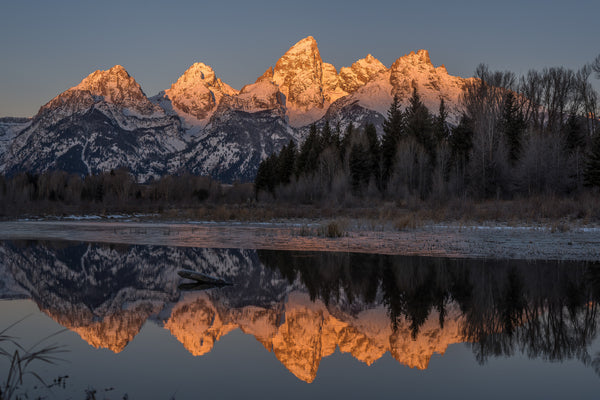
(202,125)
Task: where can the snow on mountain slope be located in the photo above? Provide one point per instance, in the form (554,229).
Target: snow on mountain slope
(332,84)
(360,73)
(114,87)
(197,93)
(413,70)
(233,144)
(259,96)
(9,129)
(103,123)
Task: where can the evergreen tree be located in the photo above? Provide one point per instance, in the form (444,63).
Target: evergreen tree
(327,138)
(440,127)
(309,152)
(418,122)
(419,125)
(359,167)
(394,123)
(266,175)
(345,142)
(592,167)
(393,129)
(337,136)
(286,161)
(512,124)
(461,142)
(374,153)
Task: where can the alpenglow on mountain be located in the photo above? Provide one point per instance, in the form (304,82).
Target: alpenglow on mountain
(204,126)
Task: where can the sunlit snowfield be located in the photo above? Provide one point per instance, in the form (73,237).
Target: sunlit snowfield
(300,324)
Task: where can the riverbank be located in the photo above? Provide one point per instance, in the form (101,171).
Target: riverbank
(492,241)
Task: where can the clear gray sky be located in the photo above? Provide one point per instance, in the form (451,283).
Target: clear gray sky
(48,46)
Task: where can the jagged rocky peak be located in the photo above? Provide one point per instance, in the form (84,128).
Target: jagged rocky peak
(332,89)
(267,76)
(299,74)
(308,83)
(114,86)
(414,64)
(259,96)
(416,71)
(198,91)
(330,77)
(118,87)
(360,73)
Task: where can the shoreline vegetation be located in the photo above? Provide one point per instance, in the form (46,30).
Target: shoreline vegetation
(57,195)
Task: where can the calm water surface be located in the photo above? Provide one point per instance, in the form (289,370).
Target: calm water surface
(300,324)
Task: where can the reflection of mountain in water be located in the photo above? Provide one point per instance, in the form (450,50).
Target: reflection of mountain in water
(302,306)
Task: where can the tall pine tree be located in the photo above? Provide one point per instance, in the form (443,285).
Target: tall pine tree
(327,138)
(418,121)
(374,153)
(309,152)
(440,125)
(393,130)
(419,125)
(359,161)
(287,161)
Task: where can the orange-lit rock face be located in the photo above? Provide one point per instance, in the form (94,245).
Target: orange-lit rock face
(114,86)
(360,73)
(308,83)
(262,95)
(300,332)
(197,325)
(298,343)
(117,87)
(198,91)
(310,332)
(415,70)
(114,331)
(299,74)
(431,339)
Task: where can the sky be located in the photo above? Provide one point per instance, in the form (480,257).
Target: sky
(47,47)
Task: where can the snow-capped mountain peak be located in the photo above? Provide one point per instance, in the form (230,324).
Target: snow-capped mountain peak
(198,91)
(113,87)
(416,71)
(360,73)
(299,74)
(116,86)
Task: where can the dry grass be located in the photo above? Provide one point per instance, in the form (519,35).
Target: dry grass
(560,212)
(334,230)
(407,222)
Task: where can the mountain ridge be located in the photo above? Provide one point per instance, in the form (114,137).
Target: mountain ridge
(200,115)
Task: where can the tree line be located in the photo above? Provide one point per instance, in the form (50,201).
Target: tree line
(113,191)
(517,137)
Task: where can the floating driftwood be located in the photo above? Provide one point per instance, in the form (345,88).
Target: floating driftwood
(197,286)
(201,278)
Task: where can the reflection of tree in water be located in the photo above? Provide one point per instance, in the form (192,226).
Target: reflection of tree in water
(547,310)
(409,287)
